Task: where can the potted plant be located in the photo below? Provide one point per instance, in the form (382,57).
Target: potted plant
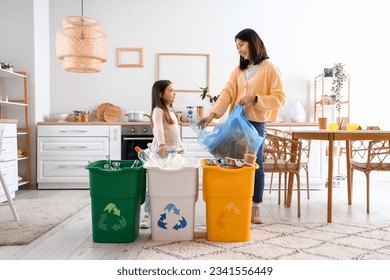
(205,94)
(339,77)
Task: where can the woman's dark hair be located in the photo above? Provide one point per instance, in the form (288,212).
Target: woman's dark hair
(158,100)
(258,52)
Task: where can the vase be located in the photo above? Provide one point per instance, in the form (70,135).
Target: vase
(297,112)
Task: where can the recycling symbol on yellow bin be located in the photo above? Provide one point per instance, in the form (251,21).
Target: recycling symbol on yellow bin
(111,219)
(229,216)
(171,218)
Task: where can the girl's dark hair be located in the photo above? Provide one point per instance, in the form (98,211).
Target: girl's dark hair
(258,52)
(158,100)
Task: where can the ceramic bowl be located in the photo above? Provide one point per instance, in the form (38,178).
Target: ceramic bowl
(61,117)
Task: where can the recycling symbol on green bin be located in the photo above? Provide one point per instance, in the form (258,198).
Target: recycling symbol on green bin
(111,219)
(171,218)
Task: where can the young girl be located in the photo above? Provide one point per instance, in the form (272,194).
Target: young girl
(164,121)
(166,130)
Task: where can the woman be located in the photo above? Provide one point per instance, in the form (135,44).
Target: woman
(257,85)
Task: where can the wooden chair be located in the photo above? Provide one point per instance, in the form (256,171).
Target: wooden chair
(305,156)
(280,157)
(3,182)
(367,156)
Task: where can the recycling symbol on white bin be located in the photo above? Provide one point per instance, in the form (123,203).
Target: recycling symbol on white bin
(171,218)
(111,219)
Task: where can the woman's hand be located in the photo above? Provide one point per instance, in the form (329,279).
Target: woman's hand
(206,120)
(162,149)
(247,99)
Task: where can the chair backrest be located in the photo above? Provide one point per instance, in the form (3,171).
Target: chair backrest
(306,143)
(282,154)
(375,154)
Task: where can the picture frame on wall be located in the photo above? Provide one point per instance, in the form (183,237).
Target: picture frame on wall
(328,72)
(130,57)
(188,71)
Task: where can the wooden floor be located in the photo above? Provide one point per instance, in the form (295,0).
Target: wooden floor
(72,239)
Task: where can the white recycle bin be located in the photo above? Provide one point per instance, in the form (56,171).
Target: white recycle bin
(173,194)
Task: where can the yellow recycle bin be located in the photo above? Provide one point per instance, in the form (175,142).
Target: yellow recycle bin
(228,197)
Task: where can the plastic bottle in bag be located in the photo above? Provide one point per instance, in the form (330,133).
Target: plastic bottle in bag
(197,126)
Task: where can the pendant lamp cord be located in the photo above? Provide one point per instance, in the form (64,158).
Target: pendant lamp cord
(82,8)
(82,20)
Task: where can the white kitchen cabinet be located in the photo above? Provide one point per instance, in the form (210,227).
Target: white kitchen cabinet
(8,161)
(63,151)
(192,148)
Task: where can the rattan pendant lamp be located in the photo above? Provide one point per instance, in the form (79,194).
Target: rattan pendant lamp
(81,44)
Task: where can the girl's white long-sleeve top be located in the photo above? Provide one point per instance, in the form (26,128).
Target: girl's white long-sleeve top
(166,133)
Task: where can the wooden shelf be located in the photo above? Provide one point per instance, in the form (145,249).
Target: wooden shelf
(23,182)
(13,103)
(10,74)
(319,81)
(22,158)
(17,95)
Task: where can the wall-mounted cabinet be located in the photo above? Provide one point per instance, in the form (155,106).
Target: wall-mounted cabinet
(14,105)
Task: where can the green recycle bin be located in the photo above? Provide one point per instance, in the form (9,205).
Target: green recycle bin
(116,198)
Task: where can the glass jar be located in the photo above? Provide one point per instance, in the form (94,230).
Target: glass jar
(85,116)
(199,111)
(78,116)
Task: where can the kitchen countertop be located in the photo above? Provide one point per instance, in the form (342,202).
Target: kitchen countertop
(8,121)
(93,123)
(147,123)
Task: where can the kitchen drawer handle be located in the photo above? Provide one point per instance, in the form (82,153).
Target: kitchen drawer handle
(137,138)
(66,147)
(78,130)
(65,166)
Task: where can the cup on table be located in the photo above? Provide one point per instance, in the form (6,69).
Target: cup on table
(322,123)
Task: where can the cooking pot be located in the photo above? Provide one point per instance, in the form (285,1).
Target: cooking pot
(136,116)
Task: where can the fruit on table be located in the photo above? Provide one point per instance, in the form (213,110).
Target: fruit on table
(333,126)
(354,126)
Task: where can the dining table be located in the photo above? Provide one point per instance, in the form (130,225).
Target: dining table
(331,136)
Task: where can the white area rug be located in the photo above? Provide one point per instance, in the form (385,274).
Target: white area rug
(279,241)
(37,216)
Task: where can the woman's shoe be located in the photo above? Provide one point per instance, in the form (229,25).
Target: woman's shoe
(255,218)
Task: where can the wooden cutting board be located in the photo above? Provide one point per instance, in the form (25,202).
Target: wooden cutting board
(100,110)
(112,114)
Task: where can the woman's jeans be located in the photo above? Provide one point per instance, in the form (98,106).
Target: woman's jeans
(259,173)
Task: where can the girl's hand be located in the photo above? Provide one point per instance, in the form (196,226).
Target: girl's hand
(162,150)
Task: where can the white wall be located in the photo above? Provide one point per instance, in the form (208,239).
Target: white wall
(302,37)
(17,47)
